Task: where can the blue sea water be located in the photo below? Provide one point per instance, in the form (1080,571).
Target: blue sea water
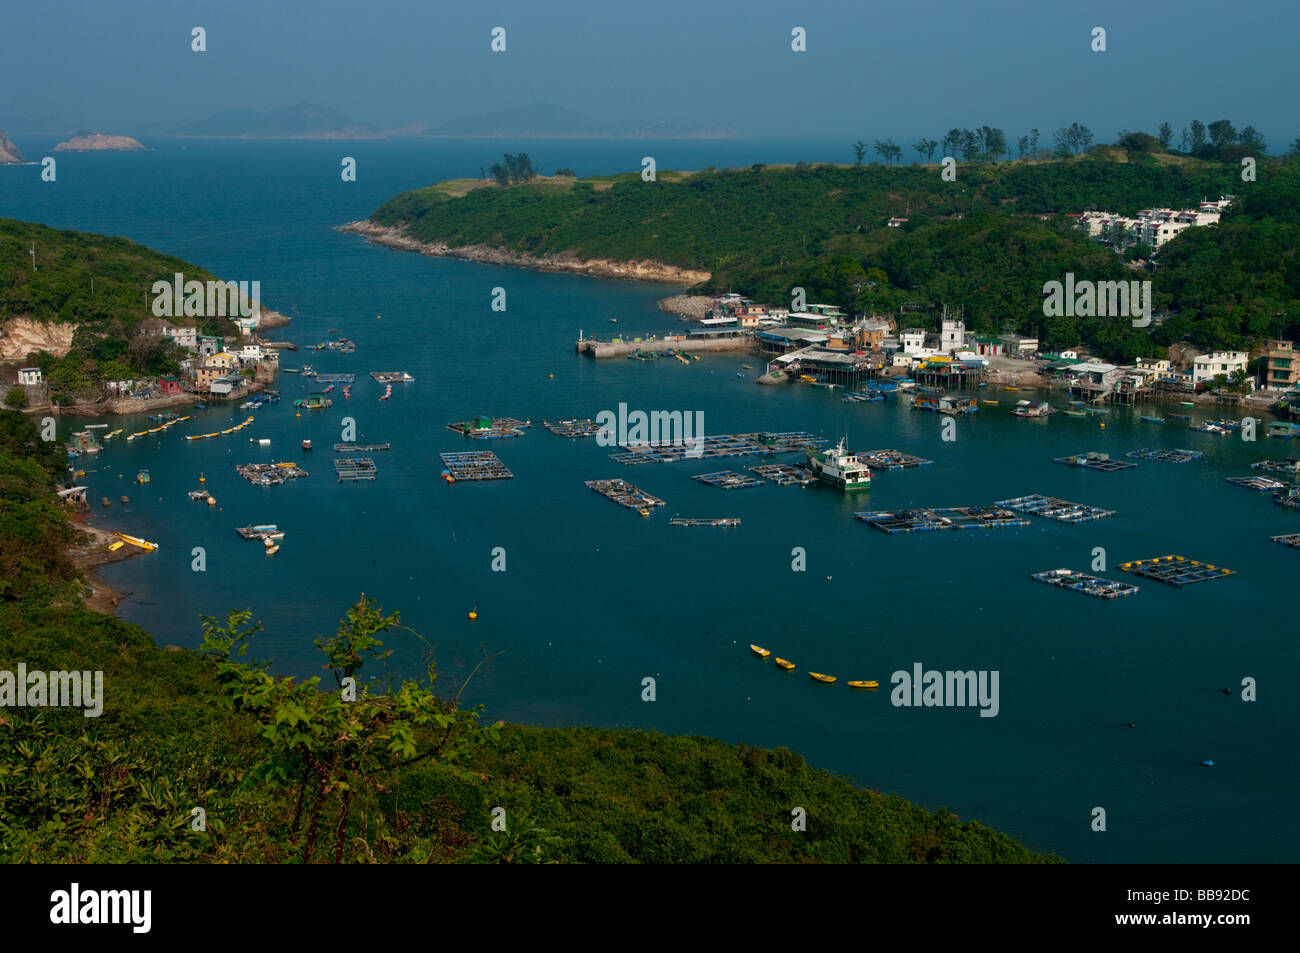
(595,598)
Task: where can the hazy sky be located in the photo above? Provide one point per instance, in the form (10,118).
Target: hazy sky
(872,70)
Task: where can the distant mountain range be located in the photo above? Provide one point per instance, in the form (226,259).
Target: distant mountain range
(535,121)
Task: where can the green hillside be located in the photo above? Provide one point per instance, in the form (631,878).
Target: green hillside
(986,242)
(287,771)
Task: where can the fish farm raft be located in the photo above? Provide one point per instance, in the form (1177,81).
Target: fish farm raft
(475,465)
(1051,508)
(361,447)
(1093,460)
(891,460)
(1175,570)
(270,474)
(491,428)
(354,469)
(939,520)
(715,521)
(1277,466)
(1164,456)
(728,480)
(572,428)
(722,445)
(1262,484)
(1082,582)
(1290,539)
(783,474)
(625,494)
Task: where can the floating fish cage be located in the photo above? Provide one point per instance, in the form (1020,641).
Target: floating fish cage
(491,428)
(270,474)
(891,460)
(1084,583)
(1277,466)
(783,474)
(722,445)
(728,480)
(335,378)
(572,428)
(361,447)
(1290,539)
(392,377)
(942,519)
(354,469)
(624,494)
(1164,456)
(863,397)
(1262,484)
(1093,460)
(1049,507)
(1176,570)
(475,465)
(715,521)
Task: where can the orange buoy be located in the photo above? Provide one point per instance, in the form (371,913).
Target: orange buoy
(473,614)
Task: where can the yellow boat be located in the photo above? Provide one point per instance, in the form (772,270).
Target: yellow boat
(989,403)
(116,546)
(760,651)
(788,666)
(864,684)
(807,378)
(822,678)
(1011,388)
(137,541)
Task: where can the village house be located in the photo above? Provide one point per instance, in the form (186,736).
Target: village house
(30,377)
(185,335)
(214,367)
(1017,345)
(1154,366)
(896,222)
(913,340)
(952,335)
(226,385)
(1281,366)
(169,386)
(986,346)
(209,344)
(1206,367)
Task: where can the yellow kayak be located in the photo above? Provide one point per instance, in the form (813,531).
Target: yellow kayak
(137,541)
(864,684)
(116,546)
(788,666)
(989,403)
(760,651)
(822,678)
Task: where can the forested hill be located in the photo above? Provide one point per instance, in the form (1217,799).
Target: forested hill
(977,242)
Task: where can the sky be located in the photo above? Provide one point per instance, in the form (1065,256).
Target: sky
(871,70)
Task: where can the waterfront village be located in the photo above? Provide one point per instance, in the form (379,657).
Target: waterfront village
(213,368)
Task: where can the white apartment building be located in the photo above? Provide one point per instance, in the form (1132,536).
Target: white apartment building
(185,335)
(1205,367)
(1152,226)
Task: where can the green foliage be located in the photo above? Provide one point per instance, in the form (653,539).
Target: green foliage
(16,398)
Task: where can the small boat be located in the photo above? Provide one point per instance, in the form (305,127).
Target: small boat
(822,678)
(116,546)
(1076,413)
(748,367)
(759,650)
(200,406)
(989,403)
(1152,420)
(125,500)
(613,320)
(740,375)
(306,444)
(1008,387)
(1180,416)
(788,666)
(200,495)
(142,477)
(105,502)
(137,541)
(272,549)
(1187,403)
(864,684)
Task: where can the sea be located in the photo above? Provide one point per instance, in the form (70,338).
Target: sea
(1106,709)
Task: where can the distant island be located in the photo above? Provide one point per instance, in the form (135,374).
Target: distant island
(9,153)
(99,142)
(534,121)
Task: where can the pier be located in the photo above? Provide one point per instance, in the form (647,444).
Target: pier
(625,494)
(491,428)
(1176,570)
(942,519)
(1094,460)
(1082,582)
(355,469)
(475,465)
(1164,456)
(728,480)
(715,521)
(782,474)
(1049,507)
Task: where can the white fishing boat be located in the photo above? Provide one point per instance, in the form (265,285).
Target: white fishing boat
(840,467)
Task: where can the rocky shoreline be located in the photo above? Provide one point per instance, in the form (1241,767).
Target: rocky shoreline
(89,552)
(395,237)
